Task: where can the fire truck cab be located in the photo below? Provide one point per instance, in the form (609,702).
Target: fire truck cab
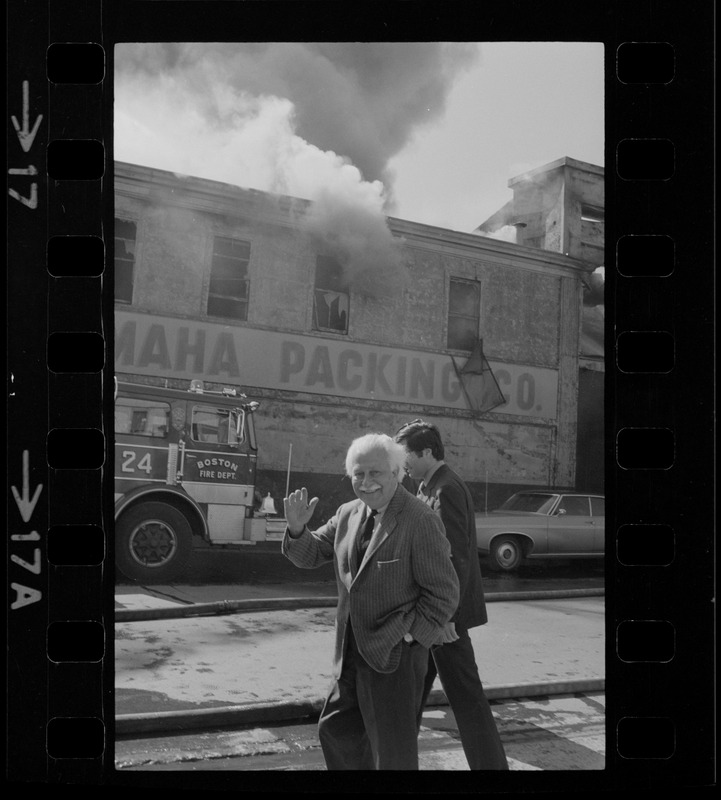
(185,466)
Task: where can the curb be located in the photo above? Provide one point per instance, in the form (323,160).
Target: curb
(285,603)
(264,713)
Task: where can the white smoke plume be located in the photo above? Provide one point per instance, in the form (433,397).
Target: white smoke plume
(319,121)
(358,238)
(360,100)
(506,233)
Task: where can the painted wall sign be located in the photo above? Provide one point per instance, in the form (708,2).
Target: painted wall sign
(174,348)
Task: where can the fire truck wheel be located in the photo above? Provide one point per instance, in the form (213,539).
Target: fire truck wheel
(153,543)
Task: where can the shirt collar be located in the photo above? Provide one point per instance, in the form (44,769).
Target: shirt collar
(431,472)
(379,511)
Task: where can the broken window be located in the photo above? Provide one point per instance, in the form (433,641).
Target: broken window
(331,301)
(228,290)
(125,233)
(464,314)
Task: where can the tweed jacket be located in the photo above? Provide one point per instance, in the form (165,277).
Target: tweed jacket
(405,584)
(448,495)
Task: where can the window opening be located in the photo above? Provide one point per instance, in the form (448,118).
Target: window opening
(125,237)
(598,506)
(331,300)
(575,506)
(464,314)
(215,425)
(229,283)
(592,213)
(138,417)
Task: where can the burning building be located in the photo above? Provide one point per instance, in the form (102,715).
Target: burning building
(341,322)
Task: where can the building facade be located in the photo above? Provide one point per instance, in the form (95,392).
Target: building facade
(240,288)
(561,207)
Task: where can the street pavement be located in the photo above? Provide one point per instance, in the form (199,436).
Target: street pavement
(542,734)
(267,666)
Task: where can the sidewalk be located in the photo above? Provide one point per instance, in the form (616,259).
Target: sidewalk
(255,667)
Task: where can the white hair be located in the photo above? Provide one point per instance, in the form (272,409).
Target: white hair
(376,441)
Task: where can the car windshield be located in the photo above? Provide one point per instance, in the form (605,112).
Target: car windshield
(529,501)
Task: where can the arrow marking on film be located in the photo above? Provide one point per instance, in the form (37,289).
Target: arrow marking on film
(25,504)
(30,202)
(26,135)
(31,170)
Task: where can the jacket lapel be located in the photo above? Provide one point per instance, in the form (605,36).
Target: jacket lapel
(387,525)
(430,487)
(355,525)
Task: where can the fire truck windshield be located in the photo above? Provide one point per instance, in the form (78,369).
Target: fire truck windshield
(216,425)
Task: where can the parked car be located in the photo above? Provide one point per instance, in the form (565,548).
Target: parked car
(542,524)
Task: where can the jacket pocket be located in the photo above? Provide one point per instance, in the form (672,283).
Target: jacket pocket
(382,564)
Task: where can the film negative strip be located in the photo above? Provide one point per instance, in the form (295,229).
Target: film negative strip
(57,628)
(655,657)
(659,370)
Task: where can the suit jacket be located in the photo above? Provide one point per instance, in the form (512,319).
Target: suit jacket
(448,495)
(405,584)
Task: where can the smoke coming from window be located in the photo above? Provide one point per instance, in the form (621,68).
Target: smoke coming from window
(318,121)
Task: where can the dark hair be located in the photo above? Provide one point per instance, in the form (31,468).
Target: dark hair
(418,435)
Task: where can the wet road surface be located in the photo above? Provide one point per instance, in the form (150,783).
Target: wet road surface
(564,732)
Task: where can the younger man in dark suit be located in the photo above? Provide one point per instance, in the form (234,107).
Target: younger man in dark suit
(444,491)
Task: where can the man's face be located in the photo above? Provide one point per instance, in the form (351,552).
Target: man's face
(418,464)
(373,481)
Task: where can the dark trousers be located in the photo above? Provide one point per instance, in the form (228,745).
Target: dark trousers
(455,665)
(369,718)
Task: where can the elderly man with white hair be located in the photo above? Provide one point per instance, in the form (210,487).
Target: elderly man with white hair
(397,591)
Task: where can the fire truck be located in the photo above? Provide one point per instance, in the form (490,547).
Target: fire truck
(185,466)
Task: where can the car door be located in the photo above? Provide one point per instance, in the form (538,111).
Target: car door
(598,513)
(571,529)
(216,470)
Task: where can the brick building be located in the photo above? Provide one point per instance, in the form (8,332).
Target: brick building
(232,286)
(561,207)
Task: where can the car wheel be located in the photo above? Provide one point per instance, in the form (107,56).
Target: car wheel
(153,543)
(506,553)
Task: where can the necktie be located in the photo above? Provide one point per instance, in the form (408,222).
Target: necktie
(366,533)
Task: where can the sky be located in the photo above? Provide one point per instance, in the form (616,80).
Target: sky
(521,106)
(427,132)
